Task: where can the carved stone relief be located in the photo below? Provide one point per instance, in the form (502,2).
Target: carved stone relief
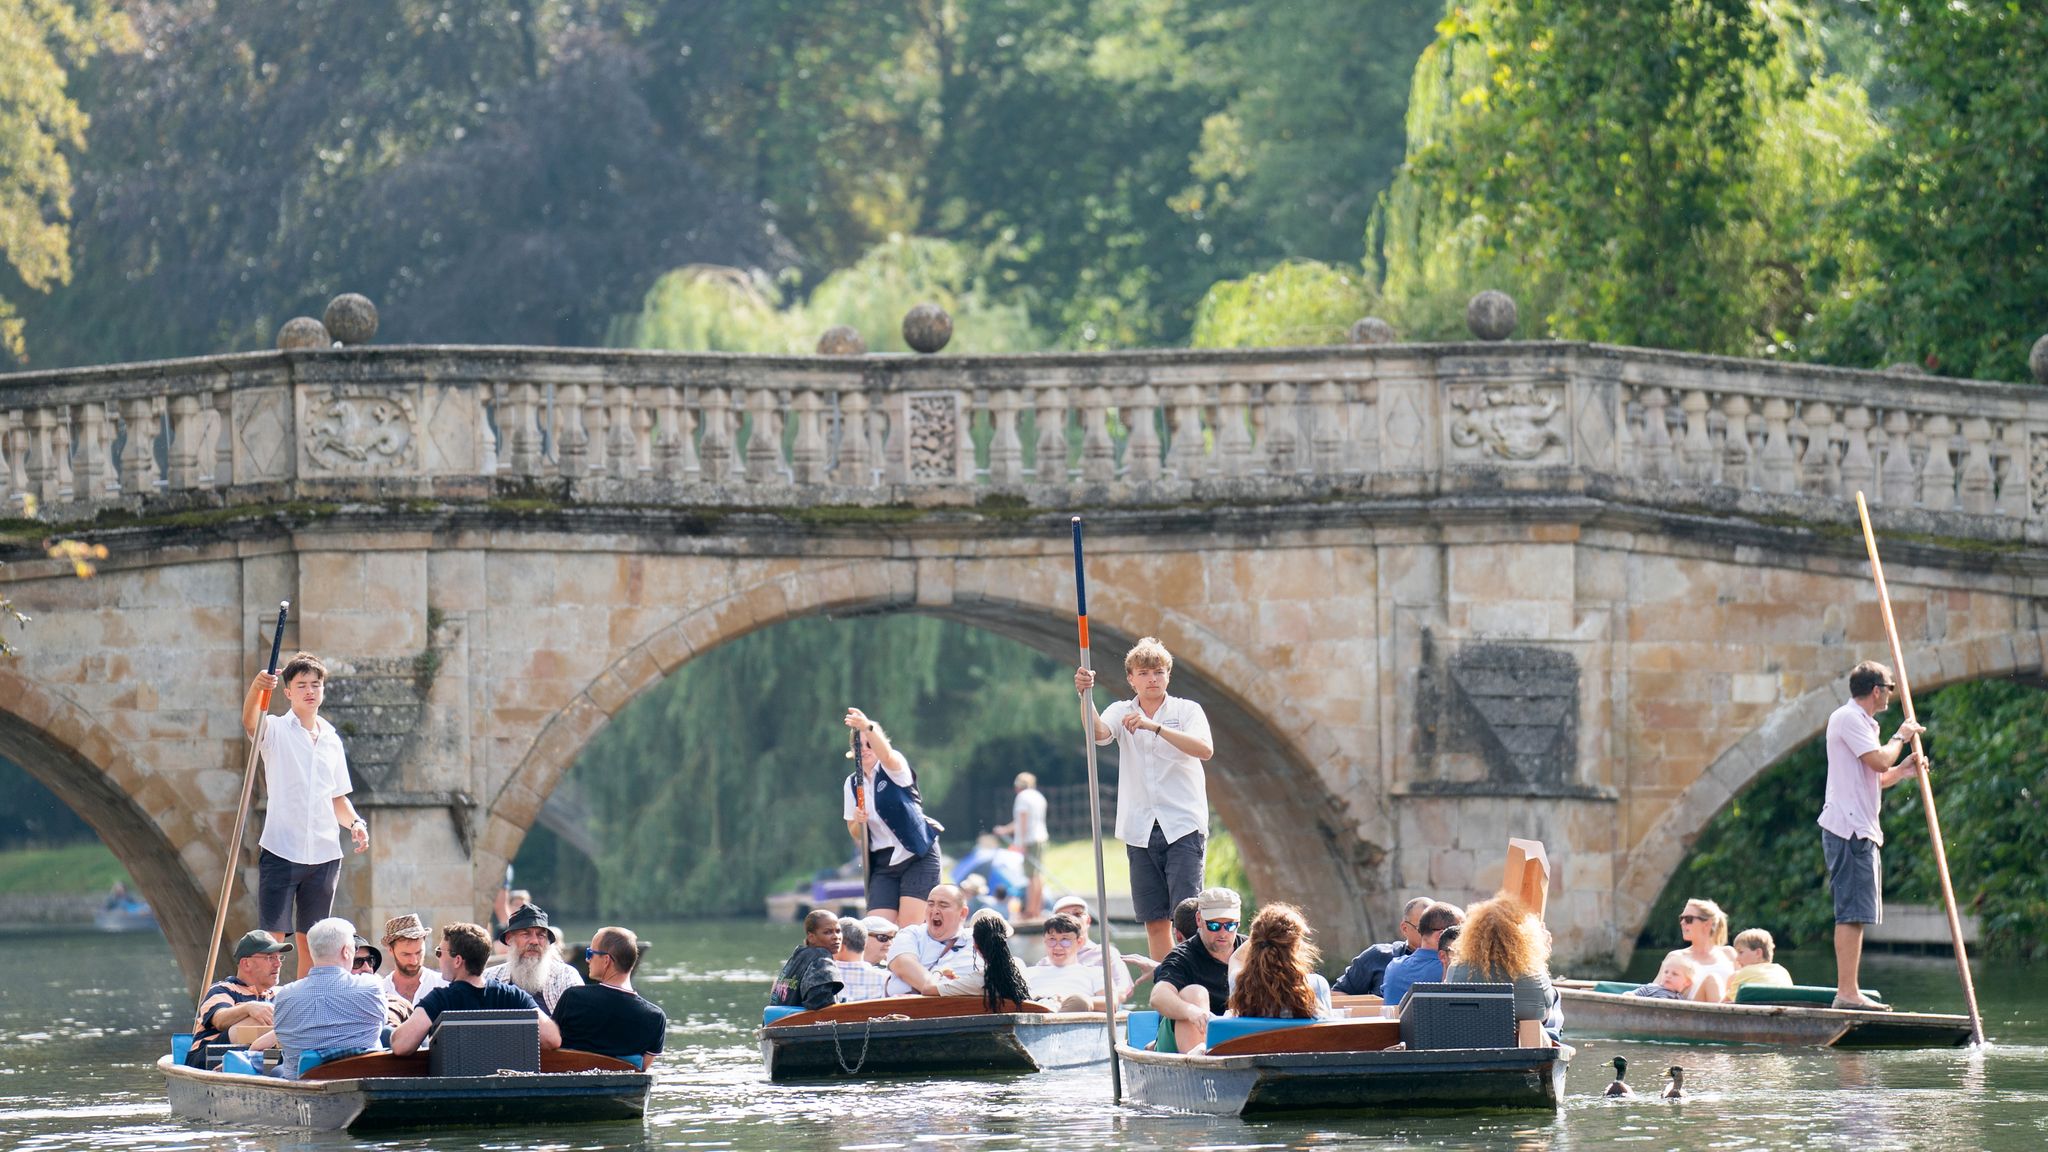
(362,433)
(2039,454)
(1513,707)
(932,429)
(1510,422)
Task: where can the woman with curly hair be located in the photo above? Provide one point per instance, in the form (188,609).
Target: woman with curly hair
(1704,927)
(1504,942)
(1000,982)
(1277,969)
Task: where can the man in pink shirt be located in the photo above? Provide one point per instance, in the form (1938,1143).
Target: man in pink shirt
(1859,769)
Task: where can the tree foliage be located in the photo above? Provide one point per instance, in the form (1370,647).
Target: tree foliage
(1297,302)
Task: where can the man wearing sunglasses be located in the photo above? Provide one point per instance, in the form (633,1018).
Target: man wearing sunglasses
(1193,983)
(606,1016)
(1859,770)
(463,952)
(1367,974)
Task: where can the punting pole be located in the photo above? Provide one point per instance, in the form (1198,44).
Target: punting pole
(227,879)
(1109,997)
(860,809)
(1948,891)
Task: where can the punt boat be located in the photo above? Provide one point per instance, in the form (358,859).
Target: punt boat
(379,1091)
(926,1035)
(1600,1009)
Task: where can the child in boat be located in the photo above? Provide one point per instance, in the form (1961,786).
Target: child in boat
(1674,981)
(1755,953)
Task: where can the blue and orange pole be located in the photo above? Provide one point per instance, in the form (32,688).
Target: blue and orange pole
(1109,998)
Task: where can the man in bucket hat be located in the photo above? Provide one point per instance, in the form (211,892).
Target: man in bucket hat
(410,977)
(536,963)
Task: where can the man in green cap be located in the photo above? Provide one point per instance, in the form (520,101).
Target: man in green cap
(244,998)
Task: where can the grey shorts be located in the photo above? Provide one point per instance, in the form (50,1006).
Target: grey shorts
(891,884)
(284,887)
(1854,879)
(1163,874)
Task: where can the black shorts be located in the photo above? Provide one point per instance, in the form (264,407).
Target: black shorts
(1163,874)
(891,884)
(1854,879)
(283,887)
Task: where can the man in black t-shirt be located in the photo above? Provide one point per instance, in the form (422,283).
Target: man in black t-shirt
(809,978)
(463,953)
(1193,982)
(606,1016)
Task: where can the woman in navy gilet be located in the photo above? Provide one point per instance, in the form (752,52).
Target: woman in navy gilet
(903,843)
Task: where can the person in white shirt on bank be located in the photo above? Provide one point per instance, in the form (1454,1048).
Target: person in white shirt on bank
(1162,802)
(1028,836)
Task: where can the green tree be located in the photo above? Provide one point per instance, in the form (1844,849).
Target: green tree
(1297,302)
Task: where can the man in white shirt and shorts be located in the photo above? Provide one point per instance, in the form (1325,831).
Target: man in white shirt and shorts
(1162,800)
(1859,769)
(1028,836)
(305,776)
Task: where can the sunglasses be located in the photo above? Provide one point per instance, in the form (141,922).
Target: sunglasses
(365,962)
(1220,925)
(590,954)
(1691,919)
(884,937)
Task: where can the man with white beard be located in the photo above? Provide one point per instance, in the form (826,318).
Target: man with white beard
(536,963)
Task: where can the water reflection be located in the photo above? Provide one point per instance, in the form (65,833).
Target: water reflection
(78,1038)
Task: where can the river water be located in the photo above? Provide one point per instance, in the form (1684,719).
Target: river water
(83,1018)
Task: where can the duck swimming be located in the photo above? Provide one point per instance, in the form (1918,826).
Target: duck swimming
(1675,1090)
(1620,1086)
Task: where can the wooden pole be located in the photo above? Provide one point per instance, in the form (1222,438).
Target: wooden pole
(1109,996)
(1948,891)
(860,809)
(227,880)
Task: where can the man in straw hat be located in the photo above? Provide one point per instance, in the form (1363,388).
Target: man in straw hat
(536,963)
(410,978)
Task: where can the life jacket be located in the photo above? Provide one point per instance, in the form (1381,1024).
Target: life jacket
(902,811)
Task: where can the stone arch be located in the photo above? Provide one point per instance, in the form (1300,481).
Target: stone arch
(1299,837)
(135,814)
(1651,863)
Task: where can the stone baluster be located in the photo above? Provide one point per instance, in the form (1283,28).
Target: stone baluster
(1698,452)
(491,414)
(594,437)
(646,423)
(622,435)
(60,446)
(1327,434)
(518,415)
(16,434)
(1005,449)
(41,478)
(1859,468)
(187,422)
(1977,495)
(138,452)
(807,451)
(1897,476)
(1659,462)
(1098,451)
(716,450)
(856,462)
(2012,489)
(1778,464)
(1737,453)
(9,453)
(1283,431)
(674,456)
(1819,456)
(1141,447)
(1233,431)
(1049,457)
(764,438)
(1184,454)
(223,437)
(1938,474)
(572,444)
(89,478)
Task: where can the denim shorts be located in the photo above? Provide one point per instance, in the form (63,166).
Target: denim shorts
(284,887)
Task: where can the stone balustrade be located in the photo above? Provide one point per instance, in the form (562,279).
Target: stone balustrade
(1139,428)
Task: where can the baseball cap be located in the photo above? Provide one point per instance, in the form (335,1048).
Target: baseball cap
(1066,902)
(258,943)
(1217,903)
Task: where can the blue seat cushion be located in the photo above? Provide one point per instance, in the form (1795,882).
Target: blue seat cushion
(1141,1028)
(1616,987)
(774,1012)
(1226,1028)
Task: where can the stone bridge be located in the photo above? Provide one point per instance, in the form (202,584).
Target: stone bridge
(1433,595)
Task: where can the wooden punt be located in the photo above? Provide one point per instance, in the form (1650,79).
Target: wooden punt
(381,1091)
(1592,1013)
(1343,1066)
(928,1035)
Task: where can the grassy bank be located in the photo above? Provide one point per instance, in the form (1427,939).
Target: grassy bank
(73,870)
(1070,865)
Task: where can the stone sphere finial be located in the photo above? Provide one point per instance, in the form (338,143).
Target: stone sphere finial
(1372,330)
(927,328)
(842,340)
(351,318)
(303,332)
(2038,360)
(1491,315)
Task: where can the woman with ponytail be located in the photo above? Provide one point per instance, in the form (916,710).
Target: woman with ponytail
(1000,982)
(1277,976)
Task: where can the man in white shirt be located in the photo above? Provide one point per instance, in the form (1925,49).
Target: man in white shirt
(305,776)
(1859,769)
(406,939)
(1162,802)
(938,949)
(1028,835)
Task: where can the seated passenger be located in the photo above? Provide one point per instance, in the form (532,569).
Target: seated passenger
(464,951)
(938,949)
(1705,929)
(244,998)
(1367,974)
(410,977)
(1755,962)
(858,979)
(1091,952)
(996,977)
(1276,973)
(1674,981)
(809,979)
(1060,980)
(331,1010)
(881,934)
(607,1016)
(535,965)
(1194,979)
(1503,942)
(1425,964)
